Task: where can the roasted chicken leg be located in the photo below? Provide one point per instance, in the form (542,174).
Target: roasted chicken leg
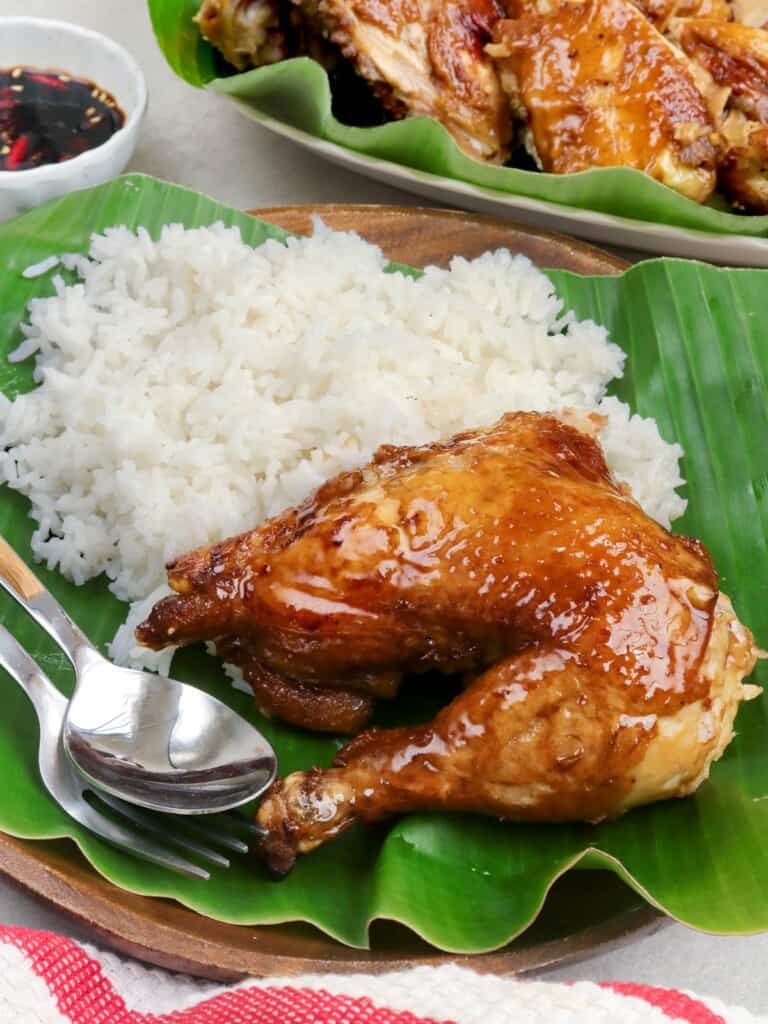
(604,668)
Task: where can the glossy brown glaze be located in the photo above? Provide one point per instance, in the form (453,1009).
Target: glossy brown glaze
(598,86)
(508,554)
(423,561)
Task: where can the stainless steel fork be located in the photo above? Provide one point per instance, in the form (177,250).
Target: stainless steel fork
(144,834)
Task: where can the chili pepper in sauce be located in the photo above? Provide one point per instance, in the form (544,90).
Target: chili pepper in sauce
(47,117)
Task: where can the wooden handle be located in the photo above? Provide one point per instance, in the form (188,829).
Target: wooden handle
(16,572)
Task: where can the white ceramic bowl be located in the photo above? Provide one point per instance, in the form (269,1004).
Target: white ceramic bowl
(62,46)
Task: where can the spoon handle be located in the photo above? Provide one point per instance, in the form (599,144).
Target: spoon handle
(49,704)
(17,579)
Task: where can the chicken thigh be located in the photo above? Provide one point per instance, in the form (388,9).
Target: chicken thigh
(604,669)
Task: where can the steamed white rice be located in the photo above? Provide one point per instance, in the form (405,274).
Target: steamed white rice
(193,386)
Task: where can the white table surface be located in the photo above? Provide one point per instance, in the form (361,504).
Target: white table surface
(201,142)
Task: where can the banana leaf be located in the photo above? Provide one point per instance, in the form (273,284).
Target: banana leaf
(297,93)
(698,361)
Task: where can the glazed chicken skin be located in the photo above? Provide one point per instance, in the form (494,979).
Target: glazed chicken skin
(597,86)
(604,668)
(420,57)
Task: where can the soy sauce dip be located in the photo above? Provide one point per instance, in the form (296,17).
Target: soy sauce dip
(47,117)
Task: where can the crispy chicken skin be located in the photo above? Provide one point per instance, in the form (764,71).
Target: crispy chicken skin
(604,669)
(419,56)
(598,86)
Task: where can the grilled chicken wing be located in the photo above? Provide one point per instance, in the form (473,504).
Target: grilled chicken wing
(419,56)
(598,86)
(604,668)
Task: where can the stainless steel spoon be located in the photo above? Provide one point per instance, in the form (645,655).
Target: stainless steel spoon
(142,737)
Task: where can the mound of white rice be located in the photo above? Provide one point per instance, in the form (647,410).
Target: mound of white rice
(191,387)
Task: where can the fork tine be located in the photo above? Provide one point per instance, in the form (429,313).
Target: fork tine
(127,839)
(207,827)
(213,835)
(147,823)
(222,829)
(247,825)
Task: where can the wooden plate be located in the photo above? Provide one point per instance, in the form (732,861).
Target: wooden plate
(584,909)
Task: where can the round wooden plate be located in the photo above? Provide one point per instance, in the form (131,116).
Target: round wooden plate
(583,911)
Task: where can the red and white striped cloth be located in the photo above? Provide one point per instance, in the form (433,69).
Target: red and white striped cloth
(48,979)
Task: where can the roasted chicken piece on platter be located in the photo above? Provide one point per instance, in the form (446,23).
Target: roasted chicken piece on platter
(597,86)
(419,56)
(603,667)
(648,84)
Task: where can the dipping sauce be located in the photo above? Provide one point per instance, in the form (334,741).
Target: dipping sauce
(48,116)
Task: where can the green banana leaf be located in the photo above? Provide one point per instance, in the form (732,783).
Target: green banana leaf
(698,359)
(297,93)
